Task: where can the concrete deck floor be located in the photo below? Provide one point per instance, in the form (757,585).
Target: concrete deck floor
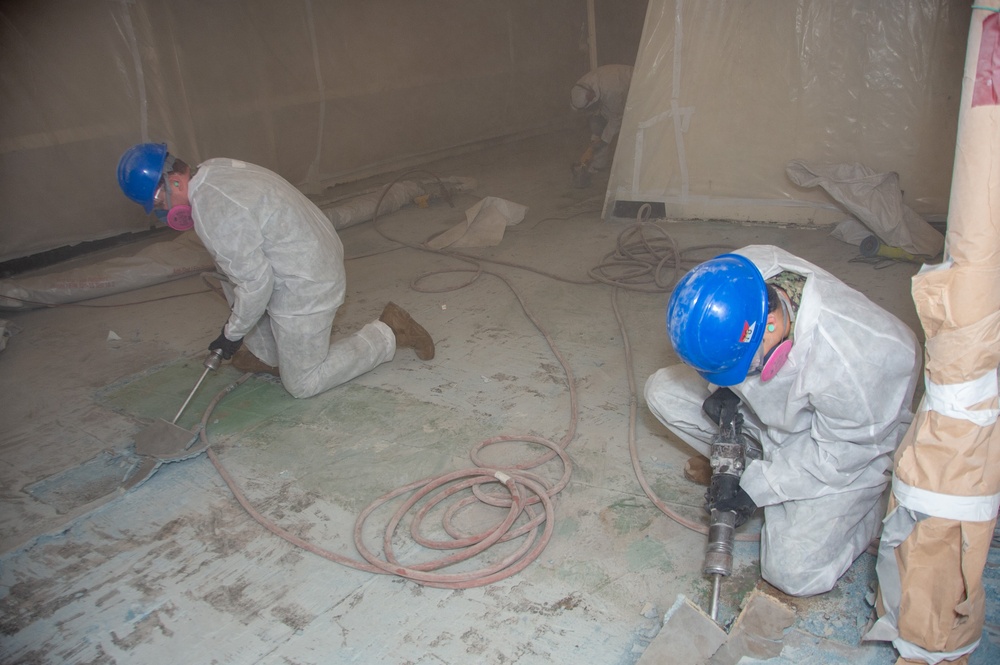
(177,571)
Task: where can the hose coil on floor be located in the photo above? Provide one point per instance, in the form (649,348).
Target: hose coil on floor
(644,257)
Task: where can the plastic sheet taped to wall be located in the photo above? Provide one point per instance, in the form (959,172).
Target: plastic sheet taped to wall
(321,93)
(725,94)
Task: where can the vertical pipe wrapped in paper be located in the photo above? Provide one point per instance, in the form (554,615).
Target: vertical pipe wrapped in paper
(946,484)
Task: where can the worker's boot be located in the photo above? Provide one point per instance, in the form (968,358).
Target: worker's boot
(409,333)
(245,361)
(698,470)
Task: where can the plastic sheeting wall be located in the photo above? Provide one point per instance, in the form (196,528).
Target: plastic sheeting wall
(725,94)
(320,91)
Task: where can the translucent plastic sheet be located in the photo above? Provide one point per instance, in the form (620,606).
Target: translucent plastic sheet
(726,94)
(321,92)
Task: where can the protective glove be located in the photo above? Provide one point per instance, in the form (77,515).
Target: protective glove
(740,503)
(713,405)
(227,347)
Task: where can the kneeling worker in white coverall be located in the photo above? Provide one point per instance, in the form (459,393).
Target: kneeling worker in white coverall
(825,378)
(285,265)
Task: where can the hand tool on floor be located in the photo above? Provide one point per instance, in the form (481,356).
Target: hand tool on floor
(581,167)
(730,451)
(872,246)
(168,441)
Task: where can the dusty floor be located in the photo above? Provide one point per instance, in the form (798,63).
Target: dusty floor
(177,571)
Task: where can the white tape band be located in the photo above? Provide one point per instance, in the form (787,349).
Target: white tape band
(911,651)
(946,506)
(953,399)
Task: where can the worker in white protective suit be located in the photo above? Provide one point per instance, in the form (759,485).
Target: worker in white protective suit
(601,93)
(285,268)
(825,379)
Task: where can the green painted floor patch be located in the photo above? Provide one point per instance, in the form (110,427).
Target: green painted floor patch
(160,393)
(629,515)
(346,444)
(645,553)
(566,528)
(355,418)
(585,576)
(255,401)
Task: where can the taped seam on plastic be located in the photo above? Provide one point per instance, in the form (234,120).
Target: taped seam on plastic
(684,113)
(680,126)
(954,399)
(681,153)
(715,200)
(140,79)
(911,651)
(675,89)
(946,506)
(681,115)
(314,45)
(501,476)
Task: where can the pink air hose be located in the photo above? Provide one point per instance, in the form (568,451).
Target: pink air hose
(527,497)
(637,264)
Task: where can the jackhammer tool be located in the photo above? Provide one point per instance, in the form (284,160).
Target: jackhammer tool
(166,441)
(730,451)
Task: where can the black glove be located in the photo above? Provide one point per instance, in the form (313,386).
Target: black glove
(740,503)
(227,347)
(713,405)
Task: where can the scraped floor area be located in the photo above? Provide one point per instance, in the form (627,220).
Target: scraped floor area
(532,353)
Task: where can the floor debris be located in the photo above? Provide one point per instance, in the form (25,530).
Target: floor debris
(758,631)
(690,636)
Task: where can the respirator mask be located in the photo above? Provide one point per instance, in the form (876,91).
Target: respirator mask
(177,217)
(767,365)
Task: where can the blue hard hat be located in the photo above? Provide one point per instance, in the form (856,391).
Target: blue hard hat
(139,172)
(716,317)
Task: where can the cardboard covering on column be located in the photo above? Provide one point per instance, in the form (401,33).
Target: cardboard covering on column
(946,487)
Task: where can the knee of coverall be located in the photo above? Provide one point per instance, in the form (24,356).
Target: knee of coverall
(663,390)
(806,546)
(299,373)
(297,389)
(800,583)
(303,344)
(674,395)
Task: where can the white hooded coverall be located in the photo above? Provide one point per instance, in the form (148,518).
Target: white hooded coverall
(286,264)
(610,83)
(828,422)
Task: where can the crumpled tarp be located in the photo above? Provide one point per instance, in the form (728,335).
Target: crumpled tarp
(484,225)
(875,200)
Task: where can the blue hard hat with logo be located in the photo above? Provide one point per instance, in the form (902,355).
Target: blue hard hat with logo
(716,318)
(139,172)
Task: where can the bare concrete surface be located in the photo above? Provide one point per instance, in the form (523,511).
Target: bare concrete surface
(178,571)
